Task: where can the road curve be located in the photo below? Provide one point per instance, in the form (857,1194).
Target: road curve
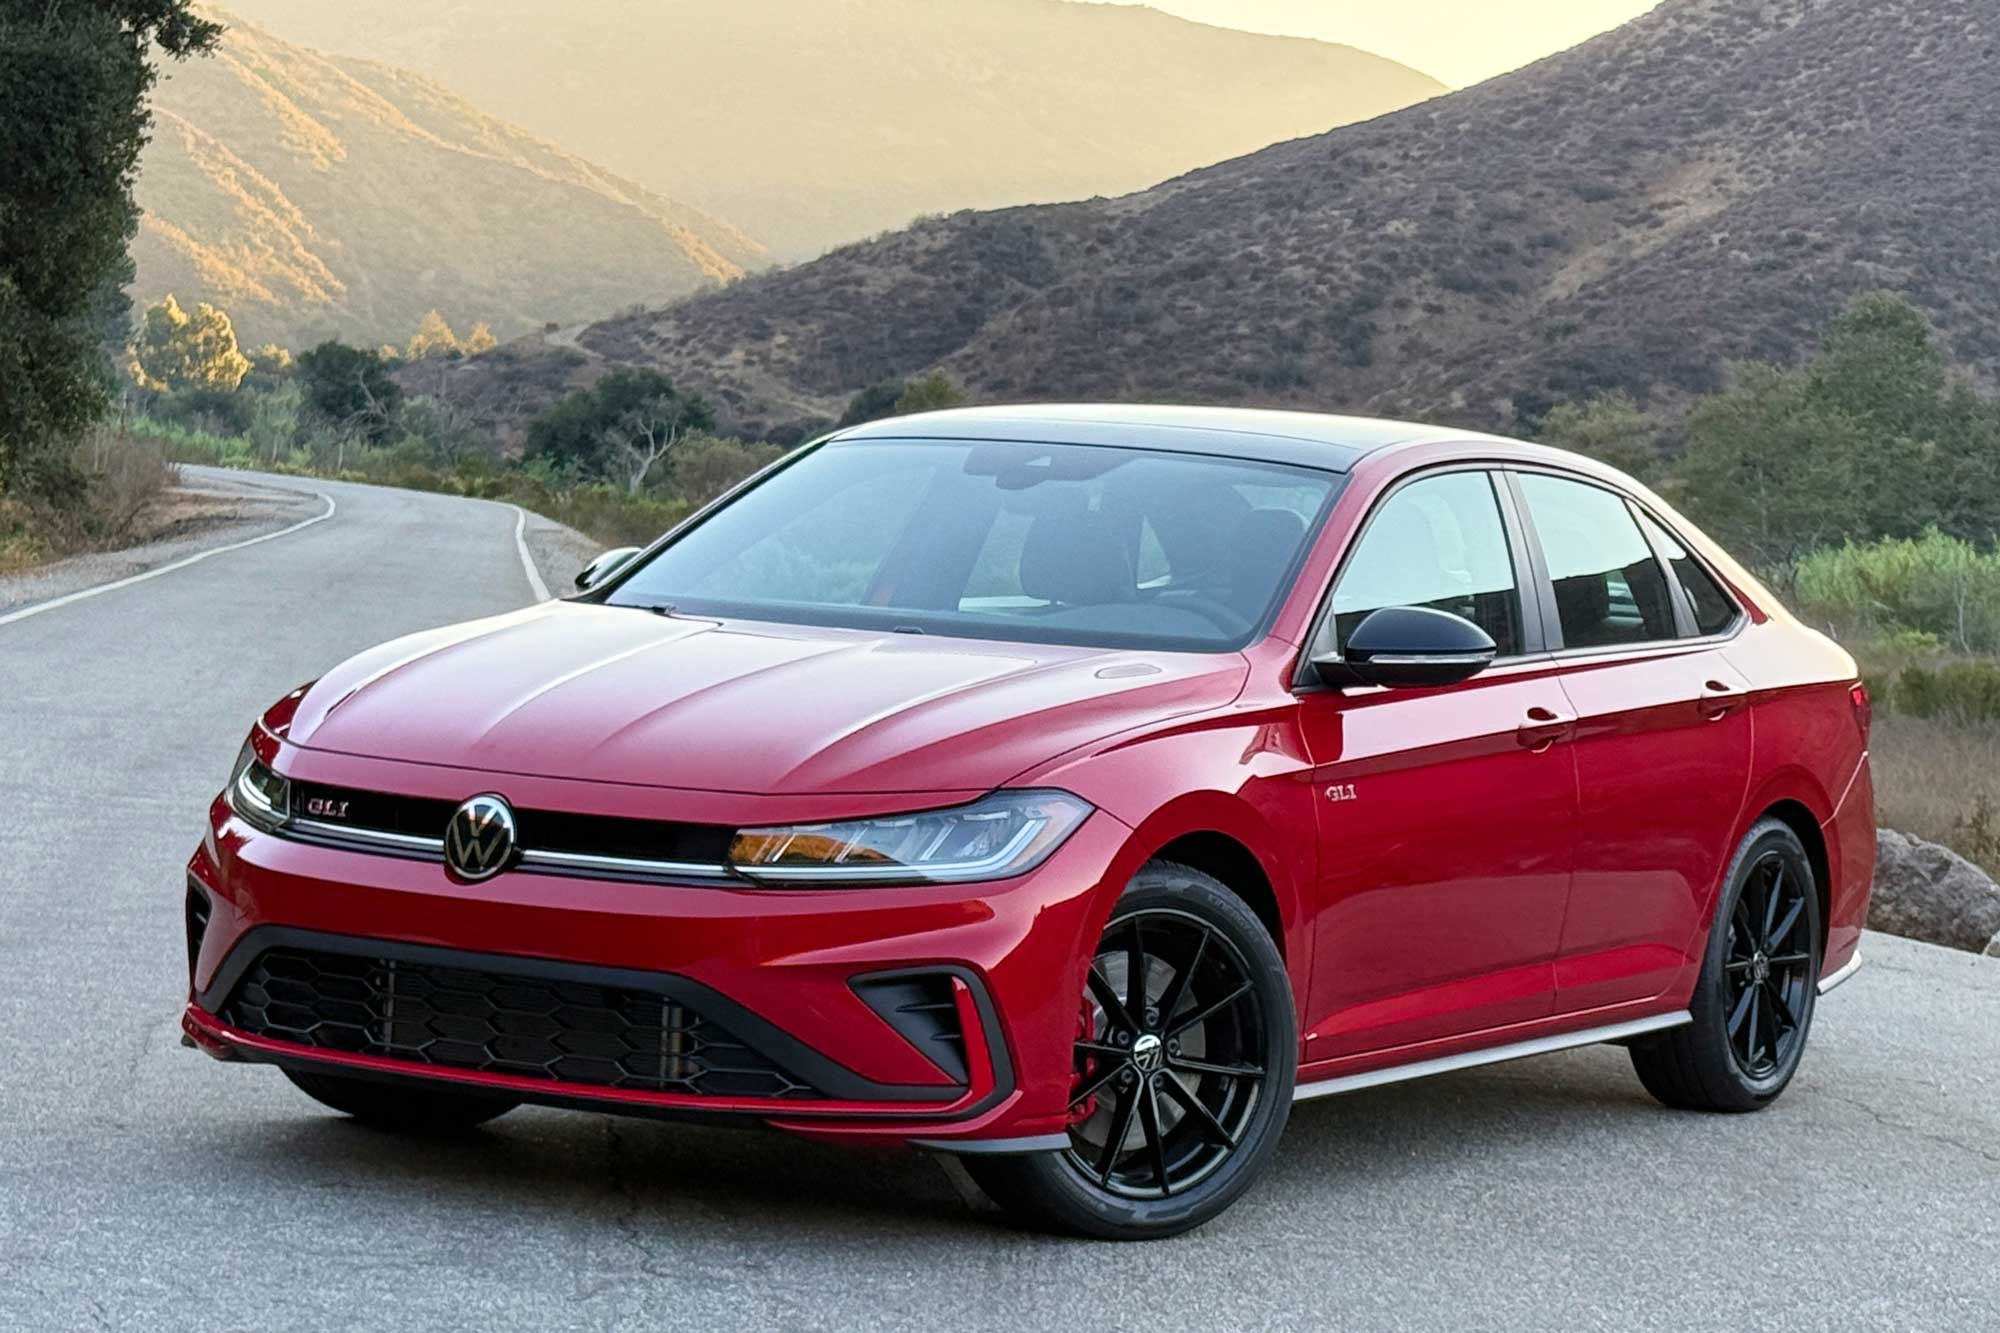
(143,1186)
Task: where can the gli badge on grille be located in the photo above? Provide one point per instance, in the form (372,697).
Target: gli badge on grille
(479,840)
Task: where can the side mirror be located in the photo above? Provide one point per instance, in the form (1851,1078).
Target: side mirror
(1409,646)
(605,566)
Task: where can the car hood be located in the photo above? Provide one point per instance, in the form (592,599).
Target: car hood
(571,690)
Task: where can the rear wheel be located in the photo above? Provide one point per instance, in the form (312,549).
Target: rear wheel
(411,1109)
(1753,1005)
(1186,1050)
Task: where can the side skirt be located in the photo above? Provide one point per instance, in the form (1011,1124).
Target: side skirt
(1495,1055)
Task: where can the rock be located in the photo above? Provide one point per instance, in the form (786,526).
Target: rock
(1928,892)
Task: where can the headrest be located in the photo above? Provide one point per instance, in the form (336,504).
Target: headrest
(1261,550)
(1076,559)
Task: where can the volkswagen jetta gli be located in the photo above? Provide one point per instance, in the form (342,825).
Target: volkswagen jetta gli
(1068,789)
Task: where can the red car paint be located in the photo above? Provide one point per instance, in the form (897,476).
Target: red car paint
(1533,852)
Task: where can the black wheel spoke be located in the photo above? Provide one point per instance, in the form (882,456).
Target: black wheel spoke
(1089,1087)
(1135,976)
(1209,1012)
(1781,1008)
(1179,989)
(1195,1107)
(1121,1120)
(1772,897)
(1103,1050)
(1790,959)
(1188,1066)
(1156,1142)
(1783,930)
(1741,1011)
(1107,996)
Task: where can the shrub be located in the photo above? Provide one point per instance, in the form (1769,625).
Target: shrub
(1930,587)
(1963,692)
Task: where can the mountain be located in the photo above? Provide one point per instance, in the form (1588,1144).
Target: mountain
(312,196)
(819,122)
(1712,181)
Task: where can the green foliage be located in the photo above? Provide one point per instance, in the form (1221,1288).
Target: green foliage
(177,351)
(349,388)
(73,85)
(618,429)
(930,393)
(1963,692)
(706,466)
(1610,429)
(872,403)
(1934,587)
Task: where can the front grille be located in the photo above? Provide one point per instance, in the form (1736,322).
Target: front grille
(499,1023)
(661,840)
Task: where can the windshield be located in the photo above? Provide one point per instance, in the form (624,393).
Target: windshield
(1102,547)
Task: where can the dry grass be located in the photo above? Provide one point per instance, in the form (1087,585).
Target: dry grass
(120,502)
(1941,781)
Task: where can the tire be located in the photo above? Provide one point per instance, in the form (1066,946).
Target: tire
(401,1106)
(1753,1003)
(1183,1153)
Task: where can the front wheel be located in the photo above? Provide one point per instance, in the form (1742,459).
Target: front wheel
(1753,1004)
(1186,1050)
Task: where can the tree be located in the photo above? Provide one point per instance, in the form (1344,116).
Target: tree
(433,338)
(74,80)
(932,393)
(872,403)
(480,340)
(177,351)
(350,388)
(1611,430)
(620,428)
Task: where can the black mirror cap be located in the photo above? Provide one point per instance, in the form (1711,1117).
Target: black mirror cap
(1410,646)
(605,566)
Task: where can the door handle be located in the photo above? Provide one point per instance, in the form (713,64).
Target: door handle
(1719,699)
(1544,727)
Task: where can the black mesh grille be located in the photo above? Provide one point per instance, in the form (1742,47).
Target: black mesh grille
(497,1023)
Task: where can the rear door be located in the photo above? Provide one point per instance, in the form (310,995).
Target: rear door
(1662,743)
(1446,817)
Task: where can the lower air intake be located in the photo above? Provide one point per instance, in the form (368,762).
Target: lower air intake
(496,1023)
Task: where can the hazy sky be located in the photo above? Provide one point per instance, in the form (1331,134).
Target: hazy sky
(1459,41)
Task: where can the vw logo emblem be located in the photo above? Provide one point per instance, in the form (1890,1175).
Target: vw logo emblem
(1146,1053)
(479,840)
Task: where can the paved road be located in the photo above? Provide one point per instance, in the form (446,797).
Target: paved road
(144,1186)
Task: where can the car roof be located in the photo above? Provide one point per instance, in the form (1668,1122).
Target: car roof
(1302,439)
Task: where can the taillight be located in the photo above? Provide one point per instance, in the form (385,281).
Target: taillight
(1864,708)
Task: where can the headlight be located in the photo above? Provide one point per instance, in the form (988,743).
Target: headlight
(1006,834)
(256,793)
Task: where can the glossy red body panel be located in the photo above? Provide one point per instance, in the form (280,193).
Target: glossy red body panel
(1476,884)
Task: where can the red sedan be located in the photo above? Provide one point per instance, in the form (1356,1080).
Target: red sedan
(1068,789)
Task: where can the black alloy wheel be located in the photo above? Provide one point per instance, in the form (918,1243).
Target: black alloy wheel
(1753,1003)
(1171,1067)
(1183,1065)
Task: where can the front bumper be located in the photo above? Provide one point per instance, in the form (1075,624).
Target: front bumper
(776,969)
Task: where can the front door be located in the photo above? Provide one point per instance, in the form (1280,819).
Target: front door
(1446,817)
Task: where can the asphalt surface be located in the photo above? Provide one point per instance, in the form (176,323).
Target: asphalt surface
(145,1186)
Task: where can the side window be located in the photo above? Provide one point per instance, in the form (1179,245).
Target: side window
(1609,587)
(1437,543)
(1713,611)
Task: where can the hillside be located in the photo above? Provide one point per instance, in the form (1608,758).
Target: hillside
(312,196)
(819,122)
(1712,181)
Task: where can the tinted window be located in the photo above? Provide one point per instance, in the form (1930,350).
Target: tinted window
(1437,543)
(1713,611)
(1609,588)
(1045,543)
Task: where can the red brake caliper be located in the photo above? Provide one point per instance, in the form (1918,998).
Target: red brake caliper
(1086,1028)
